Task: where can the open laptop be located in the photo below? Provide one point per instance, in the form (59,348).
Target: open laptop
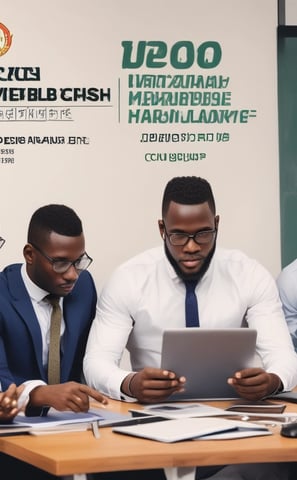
(207,358)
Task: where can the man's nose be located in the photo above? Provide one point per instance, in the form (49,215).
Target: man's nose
(192,246)
(71,274)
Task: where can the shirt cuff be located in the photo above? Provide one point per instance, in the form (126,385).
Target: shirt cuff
(24,398)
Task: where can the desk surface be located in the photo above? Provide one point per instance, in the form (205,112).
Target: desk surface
(79,452)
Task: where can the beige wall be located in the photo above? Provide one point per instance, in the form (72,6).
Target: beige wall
(107,181)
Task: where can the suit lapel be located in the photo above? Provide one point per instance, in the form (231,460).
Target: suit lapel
(22,304)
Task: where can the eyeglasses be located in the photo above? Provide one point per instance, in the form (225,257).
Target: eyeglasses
(61,266)
(181,239)
(2,241)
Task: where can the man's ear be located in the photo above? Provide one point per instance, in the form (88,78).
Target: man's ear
(217,221)
(161,229)
(28,253)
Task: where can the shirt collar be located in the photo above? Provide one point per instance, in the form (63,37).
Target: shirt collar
(36,293)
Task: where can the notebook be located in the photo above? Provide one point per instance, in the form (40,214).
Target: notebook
(207,358)
(177,430)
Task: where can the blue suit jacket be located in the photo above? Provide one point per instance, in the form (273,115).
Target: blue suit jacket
(20,335)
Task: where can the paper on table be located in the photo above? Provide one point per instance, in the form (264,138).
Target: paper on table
(55,419)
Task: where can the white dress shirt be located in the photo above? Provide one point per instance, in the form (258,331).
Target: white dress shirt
(144,296)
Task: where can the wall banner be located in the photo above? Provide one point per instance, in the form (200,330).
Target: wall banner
(101,103)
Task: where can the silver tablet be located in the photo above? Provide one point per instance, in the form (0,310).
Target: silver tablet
(207,358)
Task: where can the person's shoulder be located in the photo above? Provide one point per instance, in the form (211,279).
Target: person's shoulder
(237,259)
(137,268)
(234,255)
(147,257)
(288,274)
(14,268)
(291,268)
(10,282)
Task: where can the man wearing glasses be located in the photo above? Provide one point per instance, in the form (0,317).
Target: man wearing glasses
(55,264)
(147,294)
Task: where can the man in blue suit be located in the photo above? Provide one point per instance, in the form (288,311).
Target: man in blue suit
(55,263)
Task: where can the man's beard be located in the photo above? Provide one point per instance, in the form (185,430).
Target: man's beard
(190,276)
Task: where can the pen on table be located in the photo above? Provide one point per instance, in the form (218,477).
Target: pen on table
(95,429)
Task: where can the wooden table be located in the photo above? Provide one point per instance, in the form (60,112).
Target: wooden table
(79,452)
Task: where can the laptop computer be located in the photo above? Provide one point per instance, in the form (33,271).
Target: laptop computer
(207,358)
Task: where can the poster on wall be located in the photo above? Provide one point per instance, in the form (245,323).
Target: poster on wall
(101,103)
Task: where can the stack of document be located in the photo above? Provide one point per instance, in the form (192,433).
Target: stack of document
(59,422)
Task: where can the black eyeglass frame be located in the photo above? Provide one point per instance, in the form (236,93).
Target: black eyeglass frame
(2,241)
(188,236)
(55,261)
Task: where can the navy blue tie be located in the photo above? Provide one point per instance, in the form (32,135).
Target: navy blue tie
(192,316)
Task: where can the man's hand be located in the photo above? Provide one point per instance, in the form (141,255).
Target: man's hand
(254,383)
(152,385)
(66,396)
(9,403)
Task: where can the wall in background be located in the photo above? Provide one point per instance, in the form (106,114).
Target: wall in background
(103,102)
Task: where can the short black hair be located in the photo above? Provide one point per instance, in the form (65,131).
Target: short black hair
(54,218)
(188,191)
